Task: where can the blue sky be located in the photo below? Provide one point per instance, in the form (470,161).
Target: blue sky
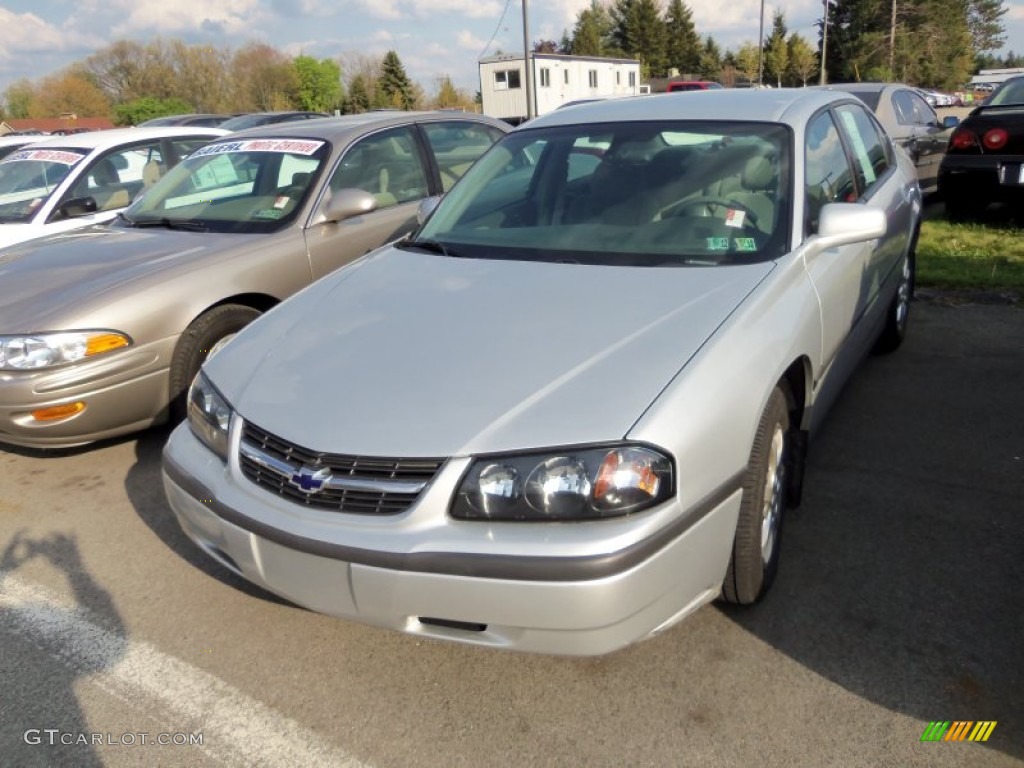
(432,37)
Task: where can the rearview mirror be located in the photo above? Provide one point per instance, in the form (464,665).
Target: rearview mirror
(426,207)
(346,203)
(75,207)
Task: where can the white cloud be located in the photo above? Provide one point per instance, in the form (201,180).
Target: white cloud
(27,33)
(473,9)
(235,17)
(469,41)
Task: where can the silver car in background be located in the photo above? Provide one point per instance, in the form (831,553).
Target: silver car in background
(574,406)
(103,329)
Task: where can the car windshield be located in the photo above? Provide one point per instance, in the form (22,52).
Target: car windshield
(251,185)
(1011,92)
(632,194)
(28,177)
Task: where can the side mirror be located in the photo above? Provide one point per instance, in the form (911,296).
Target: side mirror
(426,207)
(76,206)
(846,223)
(950,121)
(346,203)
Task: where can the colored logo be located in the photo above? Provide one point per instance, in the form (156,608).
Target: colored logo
(309,480)
(959,730)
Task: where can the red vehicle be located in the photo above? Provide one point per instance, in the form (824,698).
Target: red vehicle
(693,85)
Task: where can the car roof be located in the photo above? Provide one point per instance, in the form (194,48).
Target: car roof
(8,140)
(781,105)
(334,128)
(117,136)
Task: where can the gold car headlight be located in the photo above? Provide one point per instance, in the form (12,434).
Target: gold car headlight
(30,352)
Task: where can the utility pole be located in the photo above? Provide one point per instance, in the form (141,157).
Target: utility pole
(760,49)
(824,43)
(527,60)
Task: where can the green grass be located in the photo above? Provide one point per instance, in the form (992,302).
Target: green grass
(970,255)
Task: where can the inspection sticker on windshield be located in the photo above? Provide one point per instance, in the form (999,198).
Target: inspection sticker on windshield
(718,244)
(734,218)
(294,146)
(745,244)
(44,155)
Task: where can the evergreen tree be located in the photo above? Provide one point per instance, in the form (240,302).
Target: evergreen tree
(589,33)
(394,85)
(682,43)
(639,32)
(710,66)
(984,19)
(565,44)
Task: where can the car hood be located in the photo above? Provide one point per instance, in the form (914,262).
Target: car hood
(410,354)
(50,280)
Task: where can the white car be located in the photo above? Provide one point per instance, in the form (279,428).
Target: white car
(67,182)
(9,144)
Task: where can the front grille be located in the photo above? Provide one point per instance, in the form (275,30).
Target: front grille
(363,485)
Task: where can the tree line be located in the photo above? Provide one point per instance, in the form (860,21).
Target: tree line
(132,82)
(930,43)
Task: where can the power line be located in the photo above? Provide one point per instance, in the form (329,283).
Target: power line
(500,20)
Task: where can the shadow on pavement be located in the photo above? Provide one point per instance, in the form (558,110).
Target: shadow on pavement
(902,578)
(34,633)
(144,486)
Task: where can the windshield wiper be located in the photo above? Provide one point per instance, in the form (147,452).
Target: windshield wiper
(187,226)
(434,246)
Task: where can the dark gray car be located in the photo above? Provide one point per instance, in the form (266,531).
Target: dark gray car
(910,122)
(102,330)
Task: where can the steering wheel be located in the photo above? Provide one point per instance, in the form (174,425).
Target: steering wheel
(708,203)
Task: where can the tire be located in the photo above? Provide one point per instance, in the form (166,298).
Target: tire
(194,346)
(755,551)
(898,313)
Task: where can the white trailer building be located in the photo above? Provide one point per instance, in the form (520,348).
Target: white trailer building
(557,79)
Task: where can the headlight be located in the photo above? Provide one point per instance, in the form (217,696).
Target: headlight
(44,350)
(576,484)
(209,415)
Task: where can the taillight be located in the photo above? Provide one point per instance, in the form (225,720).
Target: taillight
(963,139)
(995,138)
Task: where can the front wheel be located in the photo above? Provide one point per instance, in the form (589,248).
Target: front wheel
(205,335)
(755,552)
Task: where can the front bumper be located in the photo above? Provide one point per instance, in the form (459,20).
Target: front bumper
(123,392)
(425,574)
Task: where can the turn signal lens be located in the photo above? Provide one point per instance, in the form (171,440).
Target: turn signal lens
(104,342)
(55,412)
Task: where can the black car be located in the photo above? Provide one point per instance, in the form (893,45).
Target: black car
(199,120)
(242,122)
(984,162)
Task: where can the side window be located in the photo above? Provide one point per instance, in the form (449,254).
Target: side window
(903,105)
(827,175)
(387,165)
(923,113)
(116,177)
(456,146)
(871,157)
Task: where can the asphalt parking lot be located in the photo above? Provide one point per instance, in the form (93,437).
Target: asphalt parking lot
(899,602)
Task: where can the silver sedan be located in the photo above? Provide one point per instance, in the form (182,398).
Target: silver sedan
(574,406)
